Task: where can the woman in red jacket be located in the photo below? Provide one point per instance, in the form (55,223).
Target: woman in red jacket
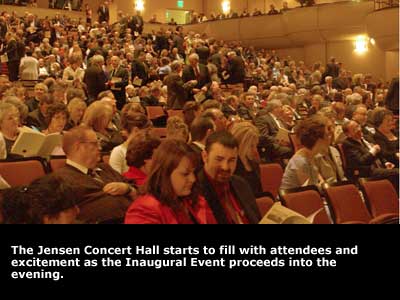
(169,195)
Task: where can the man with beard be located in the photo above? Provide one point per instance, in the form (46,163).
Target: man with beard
(229,196)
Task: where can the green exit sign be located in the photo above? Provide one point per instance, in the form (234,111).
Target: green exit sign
(180,3)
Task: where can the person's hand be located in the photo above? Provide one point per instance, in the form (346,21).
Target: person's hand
(116,188)
(375,149)
(389,165)
(196,91)
(204,89)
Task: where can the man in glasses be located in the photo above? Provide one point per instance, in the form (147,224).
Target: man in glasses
(103,196)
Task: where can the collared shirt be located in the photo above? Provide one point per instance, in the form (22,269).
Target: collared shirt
(81,168)
(277,121)
(232,208)
(200,145)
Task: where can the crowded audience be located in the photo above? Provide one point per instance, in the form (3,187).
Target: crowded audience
(184,120)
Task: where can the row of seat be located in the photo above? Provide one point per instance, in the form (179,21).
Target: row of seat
(25,171)
(345,202)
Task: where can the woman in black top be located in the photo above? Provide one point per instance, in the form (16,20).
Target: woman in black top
(384,136)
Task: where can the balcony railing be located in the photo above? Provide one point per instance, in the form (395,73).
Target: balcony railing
(381,4)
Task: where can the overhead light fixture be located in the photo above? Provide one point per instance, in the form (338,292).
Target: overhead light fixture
(139,5)
(361,44)
(226,7)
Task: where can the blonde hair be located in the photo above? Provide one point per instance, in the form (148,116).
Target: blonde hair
(177,129)
(97,116)
(246,134)
(75,102)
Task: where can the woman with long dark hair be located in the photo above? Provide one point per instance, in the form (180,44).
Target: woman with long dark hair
(169,195)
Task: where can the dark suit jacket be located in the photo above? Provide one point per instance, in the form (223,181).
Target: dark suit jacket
(266,125)
(359,158)
(204,53)
(12,51)
(388,148)
(95,205)
(138,24)
(103,13)
(228,110)
(95,80)
(242,192)
(119,91)
(35,118)
(140,70)
(236,70)
(177,94)
(203,80)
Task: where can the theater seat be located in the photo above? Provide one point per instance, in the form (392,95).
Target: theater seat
(175,112)
(160,132)
(306,201)
(348,207)
(264,204)
(23,172)
(271,178)
(380,197)
(57,163)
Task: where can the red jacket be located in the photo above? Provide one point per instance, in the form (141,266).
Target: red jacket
(148,210)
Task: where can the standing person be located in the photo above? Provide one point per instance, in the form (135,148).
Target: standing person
(198,72)
(177,89)
(88,12)
(95,78)
(29,67)
(138,23)
(103,13)
(13,59)
(169,195)
(229,196)
(119,79)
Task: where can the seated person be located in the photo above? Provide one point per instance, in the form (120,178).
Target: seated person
(191,110)
(139,157)
(329,162)
(268,123)
(177,129)
(102,195)
(98,116)
(169,196)
(365,159)
(246,109)
(230,106)
(9,122)
(37,118)
(48,200)
(315,134)
(39,90)
(56,117)
(201,128)
(229,196)
(132,123)
(384,136)
(76,108)
(248,159)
